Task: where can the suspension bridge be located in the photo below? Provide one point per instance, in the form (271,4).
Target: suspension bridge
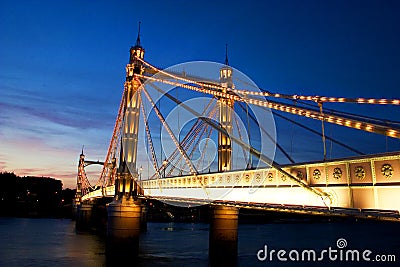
(239,170)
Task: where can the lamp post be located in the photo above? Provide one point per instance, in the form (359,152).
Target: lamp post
(164,166)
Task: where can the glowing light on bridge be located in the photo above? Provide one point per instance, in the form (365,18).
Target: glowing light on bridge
(380,129)
(171,134)
(267,187)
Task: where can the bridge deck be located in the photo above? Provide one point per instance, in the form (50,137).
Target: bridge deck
(370,182)
(355,185)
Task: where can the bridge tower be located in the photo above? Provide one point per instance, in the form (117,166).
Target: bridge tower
(225,119)
(223,235)
(81,165)
(83,210)
(125,211)
(127,173)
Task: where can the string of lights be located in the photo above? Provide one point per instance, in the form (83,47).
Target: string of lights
(322,99)
(252,150)
(159,115)
(264,93)
(113,144)
(356,124)
(183,143)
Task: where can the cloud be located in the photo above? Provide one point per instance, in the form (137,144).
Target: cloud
(41,148)
(76,115)
(3,163)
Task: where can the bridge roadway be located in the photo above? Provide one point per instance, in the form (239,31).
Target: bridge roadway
(365,187)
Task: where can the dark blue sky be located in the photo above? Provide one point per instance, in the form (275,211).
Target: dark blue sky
(62,65)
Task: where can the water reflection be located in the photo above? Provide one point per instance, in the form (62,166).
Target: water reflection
(54,242)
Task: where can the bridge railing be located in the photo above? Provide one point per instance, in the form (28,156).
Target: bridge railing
(245,178)
(360,171)
(364,182)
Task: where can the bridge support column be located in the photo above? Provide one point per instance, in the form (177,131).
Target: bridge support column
(84,216)
(223,240)
(123,229)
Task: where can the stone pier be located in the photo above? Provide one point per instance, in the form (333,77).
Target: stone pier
(84,217)
(123,228)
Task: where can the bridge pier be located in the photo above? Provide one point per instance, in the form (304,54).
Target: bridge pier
(83,217)
(223,239)
(123,228)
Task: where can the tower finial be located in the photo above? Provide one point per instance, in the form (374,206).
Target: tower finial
(138,37)
(226,55)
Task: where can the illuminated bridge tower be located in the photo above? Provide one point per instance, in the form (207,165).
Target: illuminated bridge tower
(127,173)
(225,119)
(83,210)
(81,165)
(125,211)
(223,236)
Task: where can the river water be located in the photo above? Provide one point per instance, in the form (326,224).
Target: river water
(54,242)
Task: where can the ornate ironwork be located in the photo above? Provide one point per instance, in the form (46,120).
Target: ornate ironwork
(258,178)
(387,171)
(337,173)
(316,174)
(270,177)
(300,175)
(359,172)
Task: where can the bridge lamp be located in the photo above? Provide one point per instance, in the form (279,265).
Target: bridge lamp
(164,166)
(140,173)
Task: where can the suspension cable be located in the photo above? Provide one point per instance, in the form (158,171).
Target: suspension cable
(356,124)
(113,142)
(269,135)
(240,136)
(317,99)
(323,129)
(186,138)
(252,150)
(149,139)
(207,139)
(160,116)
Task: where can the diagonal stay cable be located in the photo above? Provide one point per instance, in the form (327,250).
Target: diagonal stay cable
(150,140)
(268,135)
(318,133)
(270,162)
(171,134)
(187,137)
(309,113)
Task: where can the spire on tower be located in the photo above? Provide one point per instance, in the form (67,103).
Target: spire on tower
(226,55)
(225,73)
(138,38)
(136,51)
